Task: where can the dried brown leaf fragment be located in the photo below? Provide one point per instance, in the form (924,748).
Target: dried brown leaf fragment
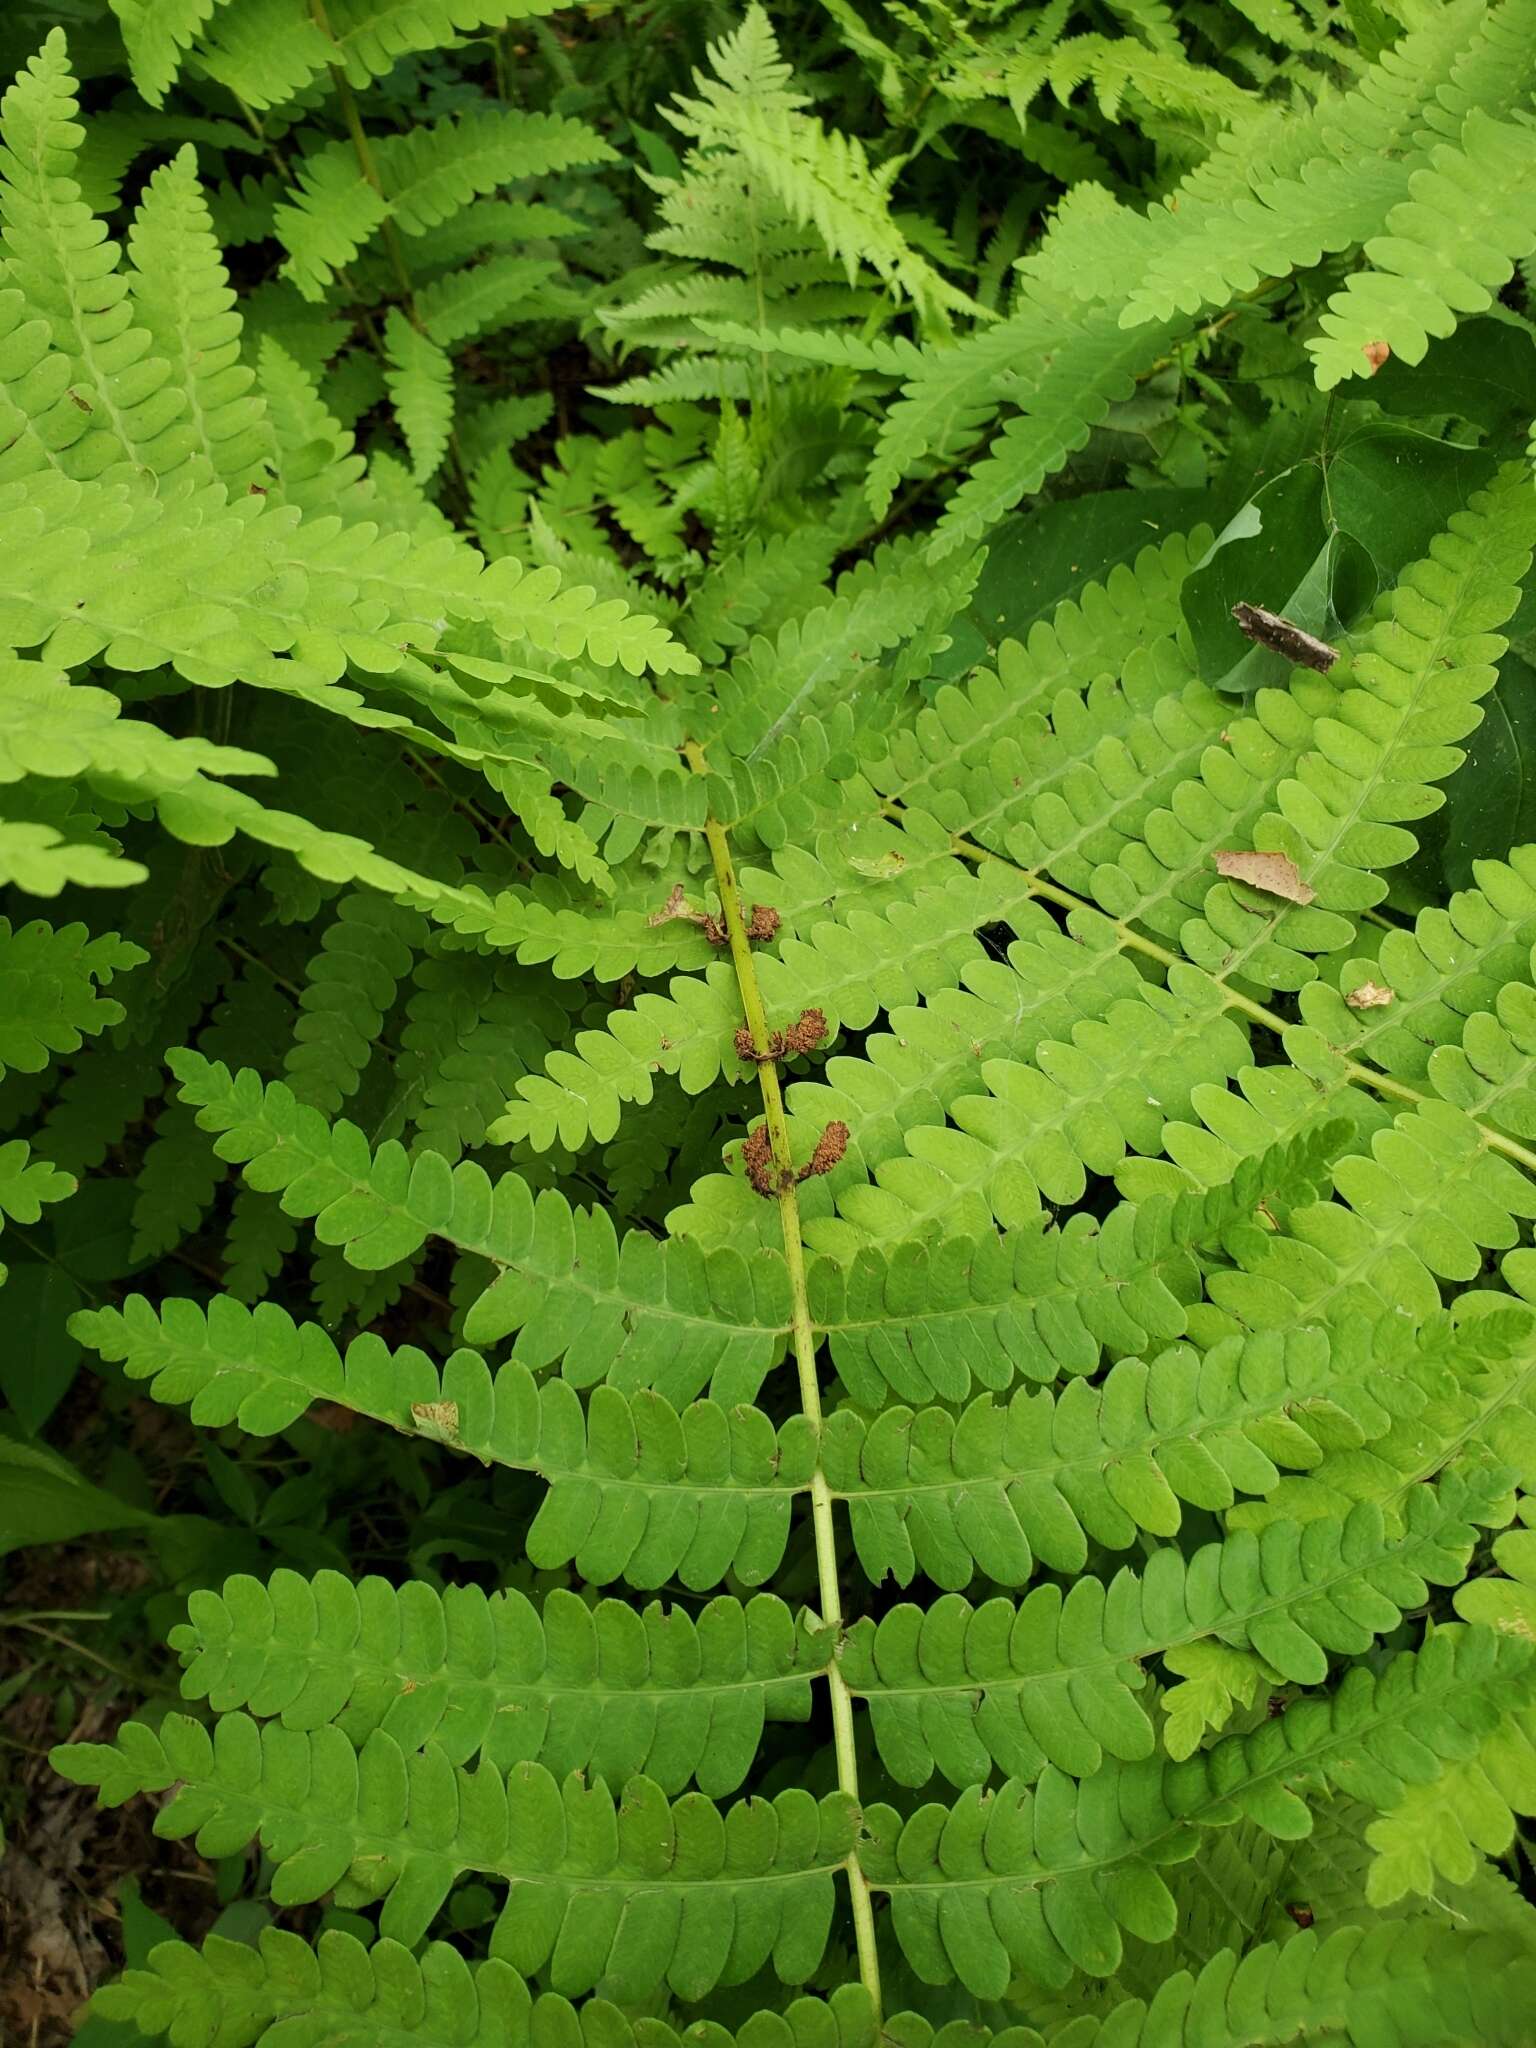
(1276,874)
(1371,995)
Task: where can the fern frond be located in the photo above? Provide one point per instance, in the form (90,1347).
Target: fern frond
(1478,1411)
(959,1689)
(419,380)
(1417,680)
(886,356)
(975,738)
(371,36)
(180,290)
(675,1696)
(636,1313)
(585,1894)
(430,172)
(178,1178)
(1448,250)
(156,36)
(797,786)
(753,590)
(1077,1107)
(470,1032)
(946,403)
(638,1489)
(495,293)
(817,661)
(330,212)
(1000,1488)
(260,1238)
(822,178)
(934,1319)
(50,983)
(316,467)
(1351,163)
(1414,1984)
(1454,962)
(40,861)
(1425,1198)
(1089,365)
(68,275)
(1449,1828)
(1044,1881)
(536,605)
(210,589)
(264,51)
(26,1183)
(1142,1288)
(848,970)
(43,427)
(60,730)
(349,990)
(378,1997)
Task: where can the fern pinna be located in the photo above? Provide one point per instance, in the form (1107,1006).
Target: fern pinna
(867,1182)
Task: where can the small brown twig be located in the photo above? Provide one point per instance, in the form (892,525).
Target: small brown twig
(1269,629)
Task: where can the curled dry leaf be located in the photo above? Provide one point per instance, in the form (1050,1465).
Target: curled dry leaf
(1370,995)
(676,905)
(1376,353)
(1275,873)
(763,926)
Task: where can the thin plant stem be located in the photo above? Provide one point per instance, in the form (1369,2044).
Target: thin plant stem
(803,1341)
(346,99)
(35,1628)
(254,960)
(367,163)
(23,1236)
(52,1614)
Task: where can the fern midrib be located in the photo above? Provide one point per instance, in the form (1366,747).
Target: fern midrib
(416,1676)
(347,1397)
(803,1340)
(374,1845)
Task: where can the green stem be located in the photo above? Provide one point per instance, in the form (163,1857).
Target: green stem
(38,1251)
(35,1628)
(16,1620)
(244,953)
(803,1341)
(346,99)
